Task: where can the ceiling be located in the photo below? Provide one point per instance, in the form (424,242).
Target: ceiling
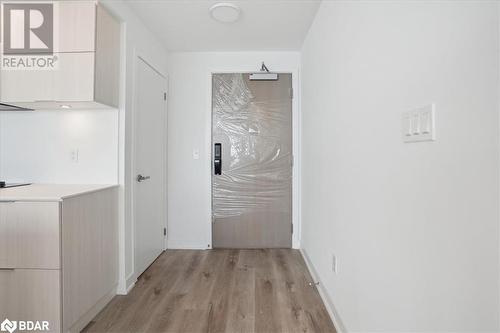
(264,25)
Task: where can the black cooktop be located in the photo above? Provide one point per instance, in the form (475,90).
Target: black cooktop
(6,185)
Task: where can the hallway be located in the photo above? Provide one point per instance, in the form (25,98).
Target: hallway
(219,291)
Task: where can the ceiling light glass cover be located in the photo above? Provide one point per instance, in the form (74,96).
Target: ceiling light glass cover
(225,12)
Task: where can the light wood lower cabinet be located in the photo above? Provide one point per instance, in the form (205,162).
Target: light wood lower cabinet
(31,295)
(7,237)
(58,260)
(89,256)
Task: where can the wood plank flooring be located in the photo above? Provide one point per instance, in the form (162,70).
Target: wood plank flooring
(264,291)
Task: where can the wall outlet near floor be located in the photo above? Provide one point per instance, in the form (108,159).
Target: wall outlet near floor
(334,264)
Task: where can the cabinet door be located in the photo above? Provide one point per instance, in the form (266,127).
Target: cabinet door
(26,85)
(90,252)
(107,59)
(74,80)
(77,20)
(38,235)
(5,281)
(31,295)
(7,235)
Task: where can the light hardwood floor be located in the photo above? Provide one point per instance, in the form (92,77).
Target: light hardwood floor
(265,291)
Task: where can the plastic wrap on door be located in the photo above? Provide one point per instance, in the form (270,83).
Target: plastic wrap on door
(258,171)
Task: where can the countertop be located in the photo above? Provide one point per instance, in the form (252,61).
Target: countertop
(48,192)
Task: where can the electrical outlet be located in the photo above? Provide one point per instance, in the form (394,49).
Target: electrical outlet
(334,264)
(196,154)
(75,155)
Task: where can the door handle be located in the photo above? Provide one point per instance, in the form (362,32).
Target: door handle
(218,159)
(141,178)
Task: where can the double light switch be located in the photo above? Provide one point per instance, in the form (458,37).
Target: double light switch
(418,124)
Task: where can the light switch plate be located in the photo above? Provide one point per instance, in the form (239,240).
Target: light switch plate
(419,124)
(196,154)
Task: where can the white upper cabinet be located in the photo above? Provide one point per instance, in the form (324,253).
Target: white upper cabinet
(87,66)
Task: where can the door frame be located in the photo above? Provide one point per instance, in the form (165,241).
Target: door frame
(136,58)
(296,139)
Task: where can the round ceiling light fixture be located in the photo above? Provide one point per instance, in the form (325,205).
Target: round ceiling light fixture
(225,12)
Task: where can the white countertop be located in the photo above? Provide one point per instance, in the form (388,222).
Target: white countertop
(48,192)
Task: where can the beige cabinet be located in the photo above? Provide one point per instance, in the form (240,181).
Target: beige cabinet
(31,294)
(77,26)
(7,236)
(72,81)
(36,237)
(89,255)
(29,235)
(86,58)
(30,262)
(58,259)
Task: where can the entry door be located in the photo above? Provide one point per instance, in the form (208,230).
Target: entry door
(150,167)
(252,143)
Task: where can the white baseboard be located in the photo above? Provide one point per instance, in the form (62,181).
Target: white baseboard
(126,285)
(324,295)
(131,286)
(122,287)
(131,280)
(173,245)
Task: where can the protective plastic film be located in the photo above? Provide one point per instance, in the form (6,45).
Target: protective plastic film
(252,122)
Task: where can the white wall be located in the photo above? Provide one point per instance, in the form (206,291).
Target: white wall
(414,226)
(137,40)
(38,146)
(189,128)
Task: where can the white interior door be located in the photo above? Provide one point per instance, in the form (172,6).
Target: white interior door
(150,165)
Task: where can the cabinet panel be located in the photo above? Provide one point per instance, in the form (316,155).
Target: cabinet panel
(5,281)
(77,21)
(31,295)
(7,236)
(37,234)
(26,85)
(87,70)
(109,240)
(107,59)
(74,80)
(90,257)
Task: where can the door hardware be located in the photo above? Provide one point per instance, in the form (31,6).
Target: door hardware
(218,159)
(141,178)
